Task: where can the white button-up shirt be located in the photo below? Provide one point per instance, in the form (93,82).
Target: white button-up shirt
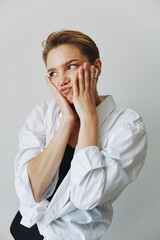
(81,208)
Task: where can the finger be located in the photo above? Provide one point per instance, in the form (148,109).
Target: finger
(80,82)
(86,77)
(49,83)
(93,77)
(52,87)
(75,87)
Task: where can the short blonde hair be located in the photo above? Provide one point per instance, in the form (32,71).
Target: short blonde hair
(83,42)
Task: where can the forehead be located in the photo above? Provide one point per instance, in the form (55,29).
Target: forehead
(63,53)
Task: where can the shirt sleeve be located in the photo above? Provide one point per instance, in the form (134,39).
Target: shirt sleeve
(32,140)
(100,175)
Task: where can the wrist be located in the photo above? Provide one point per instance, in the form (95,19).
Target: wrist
(68,122)
(88,134)
(89,119)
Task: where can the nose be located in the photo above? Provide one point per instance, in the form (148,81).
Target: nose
(63,80)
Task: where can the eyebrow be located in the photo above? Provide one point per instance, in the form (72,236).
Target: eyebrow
(65,64)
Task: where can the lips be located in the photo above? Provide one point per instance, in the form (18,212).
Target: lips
(65,90)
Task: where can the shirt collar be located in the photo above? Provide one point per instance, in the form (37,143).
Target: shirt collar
(104,109)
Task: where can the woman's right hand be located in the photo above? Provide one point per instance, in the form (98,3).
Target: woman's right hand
(68,114)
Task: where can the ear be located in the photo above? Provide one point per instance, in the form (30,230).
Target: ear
(98,66)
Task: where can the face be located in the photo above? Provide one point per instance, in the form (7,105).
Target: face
(63,63)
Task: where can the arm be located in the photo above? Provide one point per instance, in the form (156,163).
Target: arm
(85,104)
(100,175)
(42,168)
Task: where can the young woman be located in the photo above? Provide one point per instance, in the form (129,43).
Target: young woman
(77,151)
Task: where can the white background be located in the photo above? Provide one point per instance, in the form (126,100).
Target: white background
(128,36)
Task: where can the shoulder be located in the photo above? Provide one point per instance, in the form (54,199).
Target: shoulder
(42,116)
(45,109)
(128,118)
(112,117)
(46,106)
(121,126)
(127,130)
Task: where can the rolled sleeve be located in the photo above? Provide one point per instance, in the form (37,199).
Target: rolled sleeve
(31,143)
(87,178)
(85,161)
(99,176)
(30,210)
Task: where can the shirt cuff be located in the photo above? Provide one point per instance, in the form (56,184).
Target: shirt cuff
(30,216)
(84,161)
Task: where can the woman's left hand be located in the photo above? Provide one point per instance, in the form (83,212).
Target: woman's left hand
(84,92)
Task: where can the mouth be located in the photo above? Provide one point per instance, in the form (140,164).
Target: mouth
(65,90)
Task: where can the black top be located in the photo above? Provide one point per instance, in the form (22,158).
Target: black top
(19,231)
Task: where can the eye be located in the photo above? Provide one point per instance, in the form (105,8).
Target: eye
(71,66)
(52,74)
